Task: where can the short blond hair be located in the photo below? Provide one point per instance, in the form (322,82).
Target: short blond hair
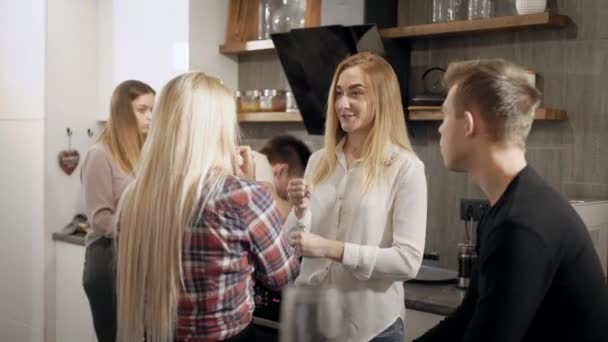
(500,92)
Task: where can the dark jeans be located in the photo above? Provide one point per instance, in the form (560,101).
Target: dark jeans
(99,282)
(394,333)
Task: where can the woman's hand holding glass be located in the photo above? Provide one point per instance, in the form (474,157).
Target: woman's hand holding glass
(309,244)
(298,193)
(245,166)
(315,246)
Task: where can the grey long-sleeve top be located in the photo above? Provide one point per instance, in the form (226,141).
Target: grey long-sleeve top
(103,182)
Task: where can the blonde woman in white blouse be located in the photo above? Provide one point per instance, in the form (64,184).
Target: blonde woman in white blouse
(359,216)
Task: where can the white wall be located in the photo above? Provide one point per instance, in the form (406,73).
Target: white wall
(105,59)
(59,61)
(149,36)
(72,96)
(22,111)
(147,40)
(22,59)
(92,46)
(208,20)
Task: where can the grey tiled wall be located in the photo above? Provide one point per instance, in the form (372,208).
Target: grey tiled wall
(571,64)
(263,70)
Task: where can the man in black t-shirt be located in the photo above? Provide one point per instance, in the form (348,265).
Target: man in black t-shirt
(538,276)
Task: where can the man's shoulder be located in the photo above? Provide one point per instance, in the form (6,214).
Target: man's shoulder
(535,203)
(536,210)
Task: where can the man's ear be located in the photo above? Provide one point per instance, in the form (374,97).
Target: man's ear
(470,123)
(279,169)
(285,168)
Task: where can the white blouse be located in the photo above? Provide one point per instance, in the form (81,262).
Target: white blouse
(384,233)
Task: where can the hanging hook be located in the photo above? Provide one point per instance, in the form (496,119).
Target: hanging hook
(69,132)
(90,133)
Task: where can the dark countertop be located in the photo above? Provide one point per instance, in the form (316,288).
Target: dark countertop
(75,239)
(438,299)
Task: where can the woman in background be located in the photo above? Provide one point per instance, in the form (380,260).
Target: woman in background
(362,228)
(107,169)
(192,232)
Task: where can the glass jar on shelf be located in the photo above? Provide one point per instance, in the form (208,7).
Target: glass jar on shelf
(272,100)
(279,102)
(440,11)
(290,102)
(456,10)
(504,8)
(266,8)
(480,9)
(237,99)
(250,101)
(290,15)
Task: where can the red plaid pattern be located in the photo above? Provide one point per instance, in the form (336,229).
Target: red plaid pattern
(239,234)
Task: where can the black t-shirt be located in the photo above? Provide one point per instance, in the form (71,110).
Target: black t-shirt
(538,276)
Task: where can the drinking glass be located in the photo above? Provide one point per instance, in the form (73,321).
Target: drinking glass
(311,314)
(457,10)
(440,11)
(480,9)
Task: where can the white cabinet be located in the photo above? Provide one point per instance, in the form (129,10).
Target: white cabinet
(72,312)
(595,217)
(418,322)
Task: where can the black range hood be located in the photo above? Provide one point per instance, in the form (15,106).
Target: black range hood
(310,56)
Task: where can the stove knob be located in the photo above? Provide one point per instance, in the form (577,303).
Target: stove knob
(257,299)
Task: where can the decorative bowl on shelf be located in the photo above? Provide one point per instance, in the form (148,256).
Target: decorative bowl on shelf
(530,6)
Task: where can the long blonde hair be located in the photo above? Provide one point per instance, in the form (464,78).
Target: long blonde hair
(186,157)
(120,135)
(388,118)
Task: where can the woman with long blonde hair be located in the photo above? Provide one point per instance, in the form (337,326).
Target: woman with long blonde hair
(361,222)
(192,234)
(107,169)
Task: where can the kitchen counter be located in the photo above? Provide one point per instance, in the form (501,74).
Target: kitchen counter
(75,239)
(438,299)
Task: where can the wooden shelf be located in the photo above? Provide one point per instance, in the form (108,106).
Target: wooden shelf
(433,113)
(424,113)
(245,47)
(242,26)
(537,20)
(270,117)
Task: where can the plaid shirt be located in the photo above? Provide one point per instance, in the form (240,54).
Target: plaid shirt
(238,234)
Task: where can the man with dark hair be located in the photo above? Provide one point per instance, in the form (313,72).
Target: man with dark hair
(538,276)
(288,157)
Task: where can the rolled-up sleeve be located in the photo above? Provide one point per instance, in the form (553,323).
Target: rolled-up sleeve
(402,260)
(275,262)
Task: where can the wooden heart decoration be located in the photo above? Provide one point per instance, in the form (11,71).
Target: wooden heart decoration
(68,160)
